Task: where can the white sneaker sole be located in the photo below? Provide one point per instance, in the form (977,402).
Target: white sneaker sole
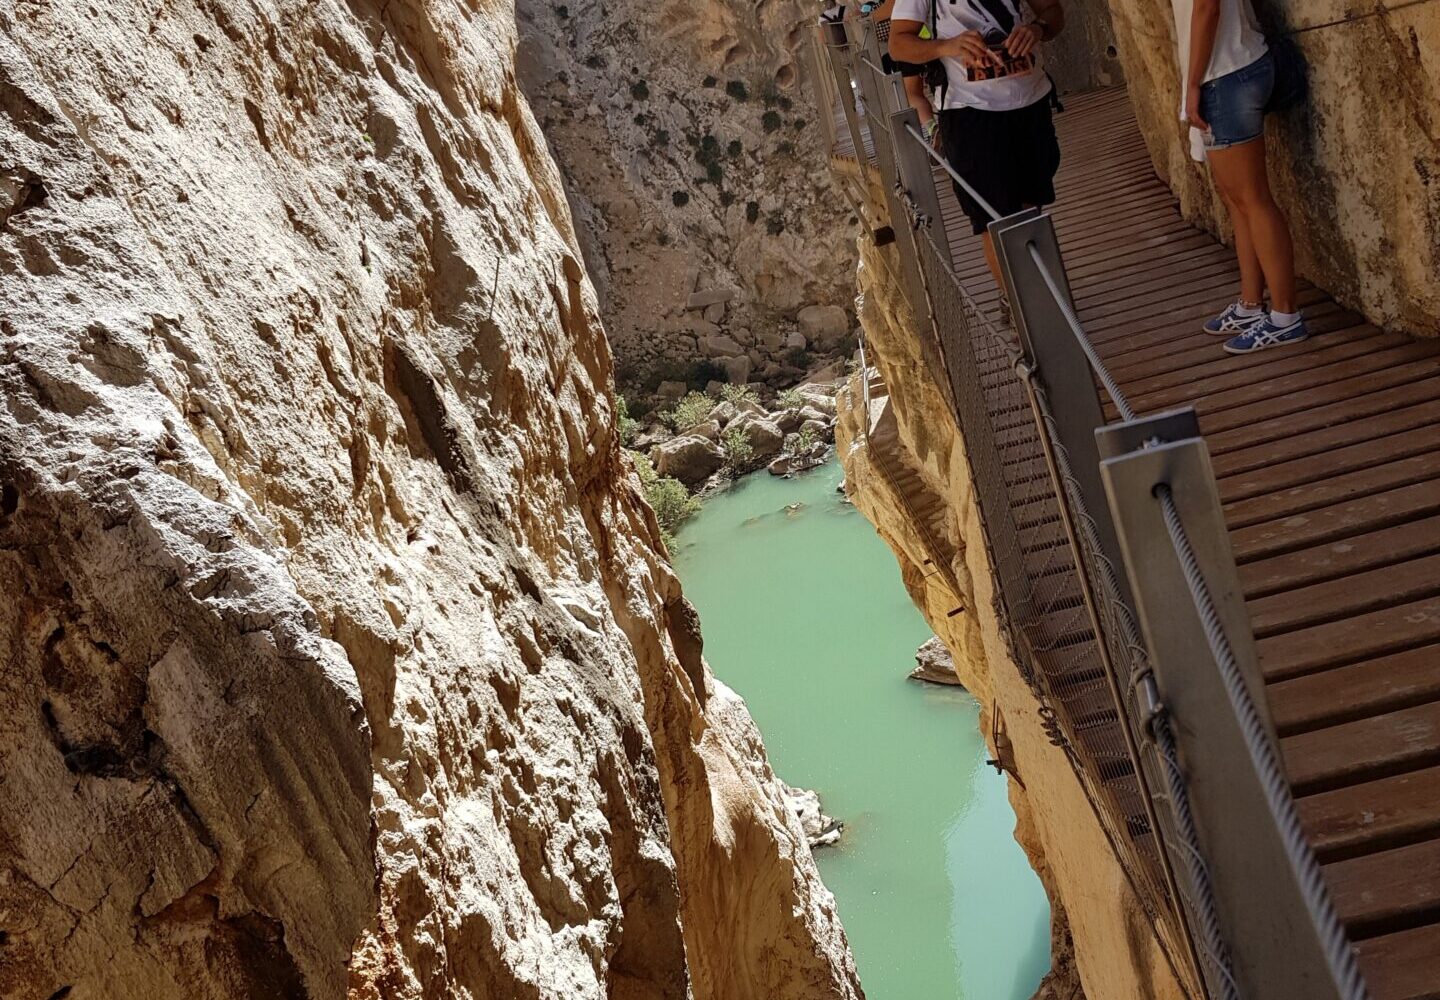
(1256,350)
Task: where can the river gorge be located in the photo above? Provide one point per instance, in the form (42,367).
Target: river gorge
(807,619)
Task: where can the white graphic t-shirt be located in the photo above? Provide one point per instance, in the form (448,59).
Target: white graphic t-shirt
(994,19)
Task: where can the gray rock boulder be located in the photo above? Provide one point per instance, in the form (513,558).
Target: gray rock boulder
(720,346)
(708,429)
(764,435)
(822,429)
(820,830)
(650,437)
(935,664)
(737,370)
(723,412)
(691,458)
(824,326)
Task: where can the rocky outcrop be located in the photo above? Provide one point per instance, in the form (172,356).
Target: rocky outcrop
(934,664)
(1357,168)
(690,145)
(340,655)
(1115,953)
(691,458)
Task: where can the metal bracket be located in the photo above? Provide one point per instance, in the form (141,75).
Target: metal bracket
(1172,425)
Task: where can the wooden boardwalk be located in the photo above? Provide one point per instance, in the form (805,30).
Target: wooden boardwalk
(1328,460)
(1327,455)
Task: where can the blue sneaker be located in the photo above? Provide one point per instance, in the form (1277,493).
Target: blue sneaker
(1259,336)
(1231,321)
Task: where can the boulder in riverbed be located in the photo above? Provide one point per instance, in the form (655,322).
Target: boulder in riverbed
(764,435)
(820,830)
(691,459)
(936,665)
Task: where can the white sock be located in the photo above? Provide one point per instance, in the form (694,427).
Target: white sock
(1243,308)
(1283,319)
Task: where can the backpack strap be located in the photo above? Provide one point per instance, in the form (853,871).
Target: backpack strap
(935,36)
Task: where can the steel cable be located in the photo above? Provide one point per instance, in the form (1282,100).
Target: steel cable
(1333,940)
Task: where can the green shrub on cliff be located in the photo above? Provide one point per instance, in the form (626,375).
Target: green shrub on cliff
(627,425)
(739,452)
(695,407)
(738,395)
(667,496)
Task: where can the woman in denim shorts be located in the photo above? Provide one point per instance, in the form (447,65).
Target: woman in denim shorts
(1229,76)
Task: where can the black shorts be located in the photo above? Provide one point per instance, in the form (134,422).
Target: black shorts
(1010,157)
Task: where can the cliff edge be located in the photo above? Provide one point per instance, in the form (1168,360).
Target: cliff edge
(341,654)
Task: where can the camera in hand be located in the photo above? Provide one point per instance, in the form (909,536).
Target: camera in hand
(1004,65)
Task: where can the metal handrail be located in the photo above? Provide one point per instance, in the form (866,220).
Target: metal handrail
(1335,943)
(944,164)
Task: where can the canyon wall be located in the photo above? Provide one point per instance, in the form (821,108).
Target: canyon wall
(341,656)
(1357,168)
(689,152)
(1115,952)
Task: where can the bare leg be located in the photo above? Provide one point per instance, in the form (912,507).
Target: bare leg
(1252,278)
(1240,171)
(915,94)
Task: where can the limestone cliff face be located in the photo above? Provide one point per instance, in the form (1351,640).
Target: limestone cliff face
(340,654)
(1357,169)
(1114,951)
(689,145)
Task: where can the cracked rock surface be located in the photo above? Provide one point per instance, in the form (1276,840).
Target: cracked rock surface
(340,654)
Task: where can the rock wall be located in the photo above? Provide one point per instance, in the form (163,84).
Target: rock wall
(340,655)
(690,153)
(1115,953)
(1357,168)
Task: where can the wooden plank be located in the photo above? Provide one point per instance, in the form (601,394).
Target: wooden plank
(1397,583)
(1334,644)
(1332,560)
(1262,410)
(1196,369)
(1335,489)
(1371,748)
(1342,520)
(1402,966)
(1371,687)
(1374,816)
(1280,475)
(1379,889)
(1236,381)
(1326,438)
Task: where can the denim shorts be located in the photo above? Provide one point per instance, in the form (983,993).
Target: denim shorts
(1234,104)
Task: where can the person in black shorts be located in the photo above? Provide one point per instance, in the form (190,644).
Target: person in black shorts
(995,114)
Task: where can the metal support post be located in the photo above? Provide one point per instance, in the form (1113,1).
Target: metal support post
(916,174)
(1053,348)
(1273,935)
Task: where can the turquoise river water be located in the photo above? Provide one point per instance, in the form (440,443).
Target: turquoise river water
(805,616)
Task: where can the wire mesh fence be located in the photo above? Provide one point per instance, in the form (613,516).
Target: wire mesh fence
(1041,588)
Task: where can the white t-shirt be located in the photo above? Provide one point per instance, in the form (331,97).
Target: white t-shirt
(1238,39)
(994,19)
